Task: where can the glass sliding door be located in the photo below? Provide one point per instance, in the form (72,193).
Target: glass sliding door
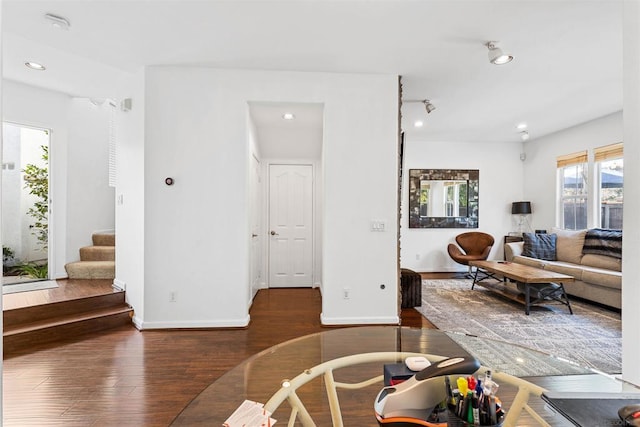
(25,203)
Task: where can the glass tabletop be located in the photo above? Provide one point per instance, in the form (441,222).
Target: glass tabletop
(261,376)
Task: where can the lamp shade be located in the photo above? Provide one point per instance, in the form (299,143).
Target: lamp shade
(521,208)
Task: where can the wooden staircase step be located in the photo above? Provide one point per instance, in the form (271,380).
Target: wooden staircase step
(68,319)
(22,336)
(98,253)
(41,312)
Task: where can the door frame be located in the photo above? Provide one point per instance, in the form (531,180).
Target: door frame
(50,182)
(315,214)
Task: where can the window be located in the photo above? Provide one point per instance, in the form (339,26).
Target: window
(610,166)
(572,174)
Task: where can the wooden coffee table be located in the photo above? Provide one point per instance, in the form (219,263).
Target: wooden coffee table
(533,285)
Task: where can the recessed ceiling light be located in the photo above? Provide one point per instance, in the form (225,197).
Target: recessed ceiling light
(521,126)
(35,66)
(418,123)
(57,21)
(288,116)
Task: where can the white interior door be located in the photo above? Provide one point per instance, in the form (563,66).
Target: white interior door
(291,229)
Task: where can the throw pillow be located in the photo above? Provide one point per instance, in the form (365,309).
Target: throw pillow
(602,241)
(540,246)
(569,245)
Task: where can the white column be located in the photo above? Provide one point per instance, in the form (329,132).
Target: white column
(631,235)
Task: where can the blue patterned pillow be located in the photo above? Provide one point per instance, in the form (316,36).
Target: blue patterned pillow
(540,246)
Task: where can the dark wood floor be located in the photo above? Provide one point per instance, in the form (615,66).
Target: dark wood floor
(124,377)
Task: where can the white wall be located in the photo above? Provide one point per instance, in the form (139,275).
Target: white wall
(293,143)
(631,236)
(197,231)
(92,208)
(540,167)
(501,169)
(130,206)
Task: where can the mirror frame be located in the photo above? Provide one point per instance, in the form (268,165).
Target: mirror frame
(472,176)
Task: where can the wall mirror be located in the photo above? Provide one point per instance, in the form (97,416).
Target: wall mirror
(443,198)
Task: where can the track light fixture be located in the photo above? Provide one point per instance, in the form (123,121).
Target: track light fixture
(524,135)
(428,106)
(496,56)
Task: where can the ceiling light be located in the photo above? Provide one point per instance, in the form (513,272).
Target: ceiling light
(57,21)
(496,56)
(428,106)
(35,66)
(521,126)
(288,116)
(524,135)
(418,123)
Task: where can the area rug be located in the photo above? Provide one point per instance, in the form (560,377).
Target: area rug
(28,286)
(590,338)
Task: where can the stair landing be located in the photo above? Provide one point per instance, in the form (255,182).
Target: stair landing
(77,307)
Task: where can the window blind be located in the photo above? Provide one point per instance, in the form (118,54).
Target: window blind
(112,144)
(572,159)
(612,151)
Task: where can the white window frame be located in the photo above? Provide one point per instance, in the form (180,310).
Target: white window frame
(601,155)
(562,198)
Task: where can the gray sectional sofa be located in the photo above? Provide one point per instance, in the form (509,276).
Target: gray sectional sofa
(598,278)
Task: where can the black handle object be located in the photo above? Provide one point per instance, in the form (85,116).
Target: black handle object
(420,394)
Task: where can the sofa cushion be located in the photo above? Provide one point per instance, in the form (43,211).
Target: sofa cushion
(602,277)
(601,261)
(531,262)
(540,246)
(572,270)
(569,244)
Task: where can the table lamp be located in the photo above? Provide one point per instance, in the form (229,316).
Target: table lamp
(523,209)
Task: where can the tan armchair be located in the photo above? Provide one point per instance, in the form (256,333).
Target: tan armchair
(472,246)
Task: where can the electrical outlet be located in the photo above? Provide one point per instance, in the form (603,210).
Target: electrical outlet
(172,296)
(346,293)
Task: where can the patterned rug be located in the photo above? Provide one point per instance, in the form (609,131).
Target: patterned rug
(591,337)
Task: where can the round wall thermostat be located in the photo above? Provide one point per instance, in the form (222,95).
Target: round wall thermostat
(168,181)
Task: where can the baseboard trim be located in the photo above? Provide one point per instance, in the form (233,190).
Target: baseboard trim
(227,323)
(137,322)
(119,284)
(391,320)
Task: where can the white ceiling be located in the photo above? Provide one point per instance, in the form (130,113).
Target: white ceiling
(567,67)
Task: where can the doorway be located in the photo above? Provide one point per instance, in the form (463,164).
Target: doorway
(285,164)
(25,203)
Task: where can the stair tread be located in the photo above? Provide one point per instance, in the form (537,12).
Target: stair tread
(49,310)
(98,253)
(99,248)
(106,239)
(66,319)
(87,262)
